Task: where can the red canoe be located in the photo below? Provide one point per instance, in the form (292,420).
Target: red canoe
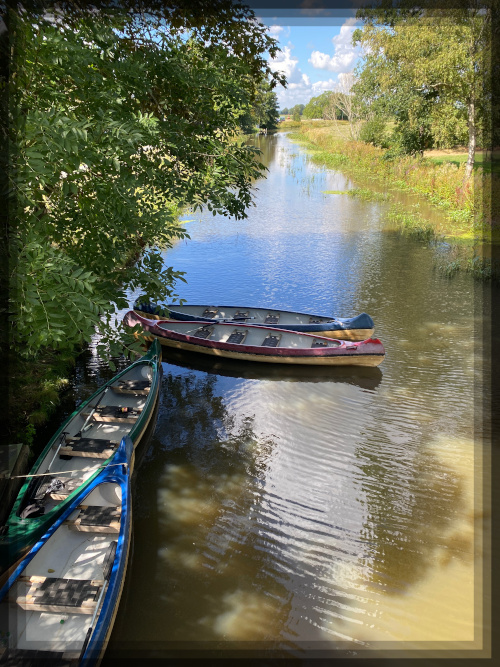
(256,343)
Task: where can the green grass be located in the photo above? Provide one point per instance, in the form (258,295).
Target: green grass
(482,161)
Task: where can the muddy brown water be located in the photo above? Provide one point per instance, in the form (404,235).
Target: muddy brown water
(316,510)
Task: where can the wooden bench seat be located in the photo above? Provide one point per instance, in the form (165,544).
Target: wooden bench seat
(73,596)
(114,414)
(136,387)
(96,519)
(271,341)
(94,448)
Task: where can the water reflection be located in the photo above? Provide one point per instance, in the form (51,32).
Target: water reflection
(366,378)
(291,510)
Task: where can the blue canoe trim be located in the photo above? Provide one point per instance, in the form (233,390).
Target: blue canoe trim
(362,321)
(12,546)
(119,475)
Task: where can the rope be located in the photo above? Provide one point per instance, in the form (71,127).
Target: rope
(64,473)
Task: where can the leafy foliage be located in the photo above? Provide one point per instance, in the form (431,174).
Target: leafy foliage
(263,112)
(428,68)
(120,118)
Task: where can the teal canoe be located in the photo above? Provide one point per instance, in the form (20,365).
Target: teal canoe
(77,453)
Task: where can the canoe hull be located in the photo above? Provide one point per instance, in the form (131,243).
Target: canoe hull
(356,328)
(89,644)
(345,360)
(23,533)
(170,333)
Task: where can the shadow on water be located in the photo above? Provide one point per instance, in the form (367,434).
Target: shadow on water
(363,377)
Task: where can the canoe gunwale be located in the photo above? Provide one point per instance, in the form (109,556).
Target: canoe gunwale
(23,533)
(328,355)
(119,474)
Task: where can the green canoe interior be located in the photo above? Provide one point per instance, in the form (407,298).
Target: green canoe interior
(75,457)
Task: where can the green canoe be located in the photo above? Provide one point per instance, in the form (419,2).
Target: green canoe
(85,443)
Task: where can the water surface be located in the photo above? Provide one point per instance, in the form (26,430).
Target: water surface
(318,509)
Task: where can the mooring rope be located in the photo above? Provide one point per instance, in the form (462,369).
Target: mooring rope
(63,473)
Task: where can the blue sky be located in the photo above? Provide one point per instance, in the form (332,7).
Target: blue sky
(317,54)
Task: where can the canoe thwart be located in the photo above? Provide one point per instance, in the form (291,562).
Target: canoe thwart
(271,341)
(54,594)
(89,447)
(272,318)
(237,337)
(114,413)
(15,657)
(140,387)
(210,312)
(97,519)
(319,343)
(204,332)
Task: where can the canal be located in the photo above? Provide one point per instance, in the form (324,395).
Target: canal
(299,511)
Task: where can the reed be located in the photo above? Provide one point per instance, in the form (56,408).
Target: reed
(469,207)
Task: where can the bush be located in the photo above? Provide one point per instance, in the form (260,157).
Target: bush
(374,132)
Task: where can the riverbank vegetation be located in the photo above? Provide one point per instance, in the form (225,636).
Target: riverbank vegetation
(119,117)
(424,86)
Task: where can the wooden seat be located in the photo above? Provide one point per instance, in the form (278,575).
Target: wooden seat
(69,486)
(136,387)
(89,447)
(204,332)
(74,596)
(16,657)
(96,519)
(272,318)
(237,337)
(115,414)
(271,341)
(210,312)
(241,315)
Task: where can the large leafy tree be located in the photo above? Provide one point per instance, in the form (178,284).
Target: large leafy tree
(119,117)
(428,66)
(263,111)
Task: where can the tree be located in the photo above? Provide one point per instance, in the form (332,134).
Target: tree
(316,105)
(432,66)
(285,111)
(343,100)
(297,109)
(119,117)
(263,112)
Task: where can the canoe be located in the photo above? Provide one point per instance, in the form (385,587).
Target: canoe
(74,455)
(61,601)
(348,328)
(264,344)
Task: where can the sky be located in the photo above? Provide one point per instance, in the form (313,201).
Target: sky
(315,54)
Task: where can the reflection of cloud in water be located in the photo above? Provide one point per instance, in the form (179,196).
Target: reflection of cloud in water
(247,616)
(437,605)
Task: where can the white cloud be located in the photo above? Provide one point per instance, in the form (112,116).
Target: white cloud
(275,30)
(344,55)
(284,62)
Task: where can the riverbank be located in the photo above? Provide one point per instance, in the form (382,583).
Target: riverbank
(468,208)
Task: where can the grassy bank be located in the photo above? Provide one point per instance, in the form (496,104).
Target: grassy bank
(469,211)
(467,208)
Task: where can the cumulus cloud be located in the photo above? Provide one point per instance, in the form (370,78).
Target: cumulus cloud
(344,55)
(275,30)
(285,62)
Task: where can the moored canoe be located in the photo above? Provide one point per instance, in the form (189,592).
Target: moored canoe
(263,344)
(75,454)
(360,327)
(60,603)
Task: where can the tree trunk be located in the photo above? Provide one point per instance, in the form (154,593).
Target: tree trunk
(472,142)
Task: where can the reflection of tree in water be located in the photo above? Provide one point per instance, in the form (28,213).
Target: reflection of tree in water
(197,551)
(415,511)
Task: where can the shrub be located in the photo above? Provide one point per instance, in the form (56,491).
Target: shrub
(374,132)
